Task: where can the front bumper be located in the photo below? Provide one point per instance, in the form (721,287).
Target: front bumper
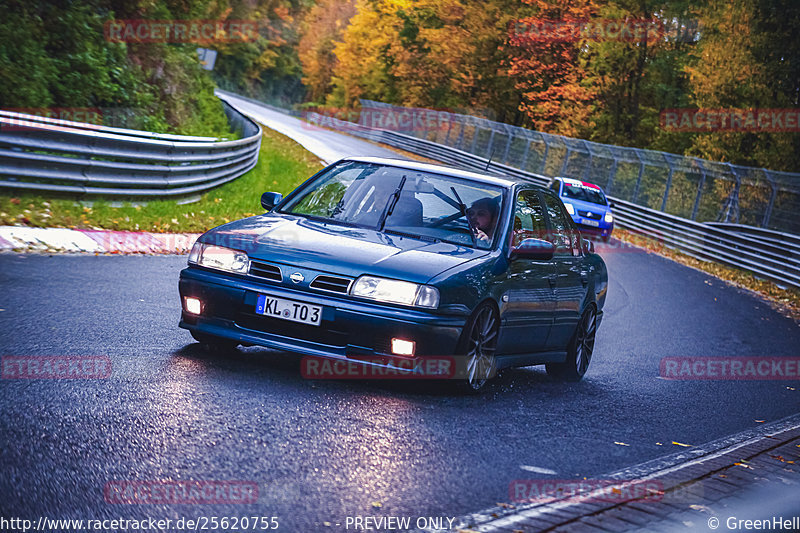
(603,230)
(350,329)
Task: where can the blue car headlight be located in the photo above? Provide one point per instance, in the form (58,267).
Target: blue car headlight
(220,258)
(396,292)
(609,218)
(570,208)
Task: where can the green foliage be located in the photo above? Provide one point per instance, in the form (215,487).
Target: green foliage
(55,55)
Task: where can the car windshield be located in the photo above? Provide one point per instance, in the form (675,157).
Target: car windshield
(402,200)
(579,191)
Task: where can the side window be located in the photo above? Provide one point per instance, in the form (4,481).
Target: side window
(528,218)
(567,240)
(555,186)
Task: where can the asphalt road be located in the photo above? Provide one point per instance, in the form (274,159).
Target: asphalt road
(328,145)
(324,450)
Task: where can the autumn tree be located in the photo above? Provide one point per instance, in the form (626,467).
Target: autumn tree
(323,26)
(433,53)
(748,57)
(548,68)
(635,76)
(267,66)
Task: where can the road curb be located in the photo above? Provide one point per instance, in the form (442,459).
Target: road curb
(673,472)
(65,240)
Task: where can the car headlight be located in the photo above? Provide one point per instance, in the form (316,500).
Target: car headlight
(220,258)
(609,218)
(397,292)
(570,209)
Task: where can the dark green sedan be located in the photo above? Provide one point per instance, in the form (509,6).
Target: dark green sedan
(389,263)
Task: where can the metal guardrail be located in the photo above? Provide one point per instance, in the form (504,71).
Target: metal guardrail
(689,187)
(45,154)
(767,254)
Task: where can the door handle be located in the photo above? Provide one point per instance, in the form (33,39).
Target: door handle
(584,277)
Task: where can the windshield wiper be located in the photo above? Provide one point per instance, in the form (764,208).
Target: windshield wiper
(463,208)
(426,238)
(387,211)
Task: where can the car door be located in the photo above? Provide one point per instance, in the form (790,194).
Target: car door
(571,277)
(528,293)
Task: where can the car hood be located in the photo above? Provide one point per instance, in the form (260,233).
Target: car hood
(344,250)
(587,206)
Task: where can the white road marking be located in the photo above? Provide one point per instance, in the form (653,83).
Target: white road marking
(538,470)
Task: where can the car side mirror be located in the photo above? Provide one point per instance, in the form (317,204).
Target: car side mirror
(270,200)
(611,205)
(588,245)
(536,249)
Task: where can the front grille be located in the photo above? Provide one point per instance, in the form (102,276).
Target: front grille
(331,283)
(266,271)
(588,214)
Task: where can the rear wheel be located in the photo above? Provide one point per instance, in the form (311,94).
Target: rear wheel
(213,343)
(478,347)
(579,351)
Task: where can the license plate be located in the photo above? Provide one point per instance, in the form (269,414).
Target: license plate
(592,223)
(288,310)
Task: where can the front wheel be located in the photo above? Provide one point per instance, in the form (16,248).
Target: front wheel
(478,347)
(579,351)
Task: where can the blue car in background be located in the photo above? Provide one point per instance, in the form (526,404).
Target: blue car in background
(388,263)
(587,204)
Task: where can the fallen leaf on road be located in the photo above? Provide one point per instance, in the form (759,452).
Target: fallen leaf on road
(743,465)
(377,505)
(681,444)
(621,443)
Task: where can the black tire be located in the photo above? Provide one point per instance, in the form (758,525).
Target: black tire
(477,346)
(214,344)
(579,350)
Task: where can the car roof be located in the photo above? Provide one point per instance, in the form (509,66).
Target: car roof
(439,169)
(574,181)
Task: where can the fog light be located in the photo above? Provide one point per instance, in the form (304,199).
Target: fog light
(192,305)
(402,347)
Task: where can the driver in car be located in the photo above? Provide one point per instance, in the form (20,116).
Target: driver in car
(483,217)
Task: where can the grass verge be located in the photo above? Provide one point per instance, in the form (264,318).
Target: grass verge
(282,165)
